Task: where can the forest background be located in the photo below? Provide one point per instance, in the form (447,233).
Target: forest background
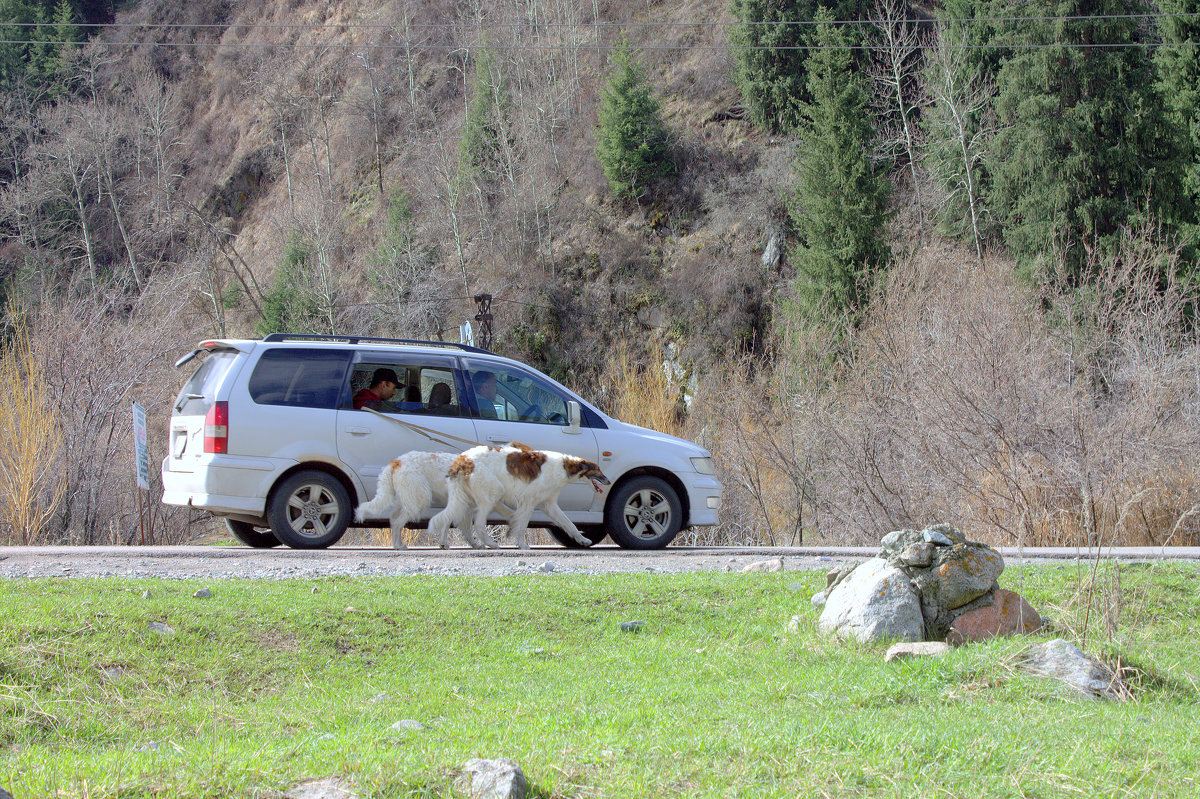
(893,263)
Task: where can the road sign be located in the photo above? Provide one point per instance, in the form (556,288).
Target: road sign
(140,450)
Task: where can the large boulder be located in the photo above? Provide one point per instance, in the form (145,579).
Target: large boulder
(875,602)
(1007,615)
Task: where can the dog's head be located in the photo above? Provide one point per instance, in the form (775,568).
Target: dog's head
(581,469)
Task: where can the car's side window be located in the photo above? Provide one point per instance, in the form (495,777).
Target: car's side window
(414,386)
(501,392)
(298,377)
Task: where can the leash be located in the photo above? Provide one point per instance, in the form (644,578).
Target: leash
(432,435)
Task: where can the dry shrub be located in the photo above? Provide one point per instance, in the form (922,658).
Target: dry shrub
(1020,413)
(30,443)
(643,393)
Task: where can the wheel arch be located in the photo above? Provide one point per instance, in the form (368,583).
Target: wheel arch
(667,476)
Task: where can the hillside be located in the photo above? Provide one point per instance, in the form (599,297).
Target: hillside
(255,166)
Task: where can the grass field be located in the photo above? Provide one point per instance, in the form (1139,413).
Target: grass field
(265,684)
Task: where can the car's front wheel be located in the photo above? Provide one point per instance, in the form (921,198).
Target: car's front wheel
(251,536)
(644,513)
(309,510)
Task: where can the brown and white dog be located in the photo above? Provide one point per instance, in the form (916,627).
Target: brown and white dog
(521,478)
(408,487)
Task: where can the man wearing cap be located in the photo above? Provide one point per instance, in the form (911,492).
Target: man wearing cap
(383,387)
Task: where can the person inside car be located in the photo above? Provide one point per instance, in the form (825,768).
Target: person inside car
(377,397)
(485,393)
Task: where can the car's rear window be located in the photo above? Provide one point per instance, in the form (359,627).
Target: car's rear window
(299,377)
(200,391)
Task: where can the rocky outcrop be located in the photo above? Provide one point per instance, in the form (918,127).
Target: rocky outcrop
(920,585)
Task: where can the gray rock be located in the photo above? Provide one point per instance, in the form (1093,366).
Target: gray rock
(772,565)
(160,628)
(935,537)
(923,649)
(147,595)
(546,567)
(501,778)
(820,598)
(919,555)
(3,793)
(203,593)
(892,540)
(632,626)
(958,574)
(1082,675)
(375,700)
(876,602)
(408,725)
(328,788)
(796,587)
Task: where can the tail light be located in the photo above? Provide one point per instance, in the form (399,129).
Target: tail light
(216,428)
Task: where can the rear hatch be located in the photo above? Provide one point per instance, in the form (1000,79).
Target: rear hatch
(192,406)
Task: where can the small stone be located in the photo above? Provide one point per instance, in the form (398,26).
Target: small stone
(794,624)
(147,595)
(521,562)
(408,725)
(916,649)
(326,737)
(632,626)
(350,609)
(890,540)
(501,778)
(797,587)
(328,788)
(546,567)
(114,673)
(203,593)
(314,590)
(772,565)
(918,555)
(934,537)
(160,628)
(818,599)
(1081,675)
(375,700)
(149,746)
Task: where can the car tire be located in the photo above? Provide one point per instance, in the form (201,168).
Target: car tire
(644,513)
(251,536)
(593,531)
(309,510)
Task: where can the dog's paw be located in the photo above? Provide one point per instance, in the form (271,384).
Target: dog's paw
(587,542)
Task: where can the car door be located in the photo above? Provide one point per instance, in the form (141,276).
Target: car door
(513,404)
(416,417)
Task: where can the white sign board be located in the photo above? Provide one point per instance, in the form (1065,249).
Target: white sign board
(140,450)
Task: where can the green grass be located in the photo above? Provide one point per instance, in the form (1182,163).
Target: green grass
(269,683)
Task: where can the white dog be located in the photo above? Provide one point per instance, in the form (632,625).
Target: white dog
(523,479)
(408,487)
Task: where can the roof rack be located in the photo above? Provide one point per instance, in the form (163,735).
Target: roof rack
(372,340)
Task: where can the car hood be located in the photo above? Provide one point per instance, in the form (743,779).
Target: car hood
(684,447)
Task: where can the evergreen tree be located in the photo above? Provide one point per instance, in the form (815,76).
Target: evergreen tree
(631,139)
(839,207)
(770,50)
(1083,147)
(1179,84)
(486,124)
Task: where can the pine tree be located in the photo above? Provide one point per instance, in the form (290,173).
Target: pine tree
(770,45)
(631,139)
(839,207)
(1083,147)
(1179,85)
(484,130)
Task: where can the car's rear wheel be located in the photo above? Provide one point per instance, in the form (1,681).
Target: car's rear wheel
(251,536)
(644,513)
(594,532)
(309,510)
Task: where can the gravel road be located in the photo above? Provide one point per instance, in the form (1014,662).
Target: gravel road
(218,562)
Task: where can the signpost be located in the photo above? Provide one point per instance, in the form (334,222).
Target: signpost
(142,465)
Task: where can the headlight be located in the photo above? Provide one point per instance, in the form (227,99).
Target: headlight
(703,465)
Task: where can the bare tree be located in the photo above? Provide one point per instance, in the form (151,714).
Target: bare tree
(896,47)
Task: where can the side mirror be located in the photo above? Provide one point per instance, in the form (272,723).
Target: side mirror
(573,428)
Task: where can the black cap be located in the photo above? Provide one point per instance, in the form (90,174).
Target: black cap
(384,374)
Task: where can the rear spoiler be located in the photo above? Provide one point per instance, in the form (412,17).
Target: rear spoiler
(215,344)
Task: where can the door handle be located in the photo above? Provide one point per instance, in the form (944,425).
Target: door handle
(498,439)
(358,431)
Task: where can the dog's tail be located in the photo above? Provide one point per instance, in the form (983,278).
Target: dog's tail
(385,496)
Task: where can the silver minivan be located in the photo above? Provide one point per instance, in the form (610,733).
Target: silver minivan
(283,437)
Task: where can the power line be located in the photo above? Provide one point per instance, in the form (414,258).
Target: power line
(102,26)
(554,47)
